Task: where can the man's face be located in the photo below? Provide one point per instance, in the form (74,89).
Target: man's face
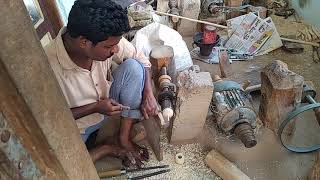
(102,50)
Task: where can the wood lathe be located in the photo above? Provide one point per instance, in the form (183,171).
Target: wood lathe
(163,68)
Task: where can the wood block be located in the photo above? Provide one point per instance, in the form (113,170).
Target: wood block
(193,100)
(162,56)
(153,135)
(224,64)
(281,91)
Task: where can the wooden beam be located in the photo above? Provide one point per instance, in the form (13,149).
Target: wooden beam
(21,128)
(53,15)
(34,103)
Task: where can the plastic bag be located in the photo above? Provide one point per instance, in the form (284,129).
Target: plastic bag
(156,34)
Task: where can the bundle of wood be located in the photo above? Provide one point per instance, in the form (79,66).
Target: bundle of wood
(309,33)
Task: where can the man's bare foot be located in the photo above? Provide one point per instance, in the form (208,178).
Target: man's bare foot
(101,151)
(135,154)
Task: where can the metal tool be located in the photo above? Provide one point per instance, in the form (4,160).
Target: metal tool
(125,107)
(161,58)
(308,95)
(167,94)
(120,172)
(232,108)
(149,175)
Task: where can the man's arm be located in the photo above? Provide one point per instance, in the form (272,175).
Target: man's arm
(149,106)
(105,106)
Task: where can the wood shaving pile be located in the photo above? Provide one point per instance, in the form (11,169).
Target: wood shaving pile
(193,167)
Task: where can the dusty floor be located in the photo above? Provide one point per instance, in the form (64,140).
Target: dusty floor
(267,160)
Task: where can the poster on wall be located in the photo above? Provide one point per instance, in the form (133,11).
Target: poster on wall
(34,10)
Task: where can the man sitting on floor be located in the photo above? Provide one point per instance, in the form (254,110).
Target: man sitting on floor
(81,56)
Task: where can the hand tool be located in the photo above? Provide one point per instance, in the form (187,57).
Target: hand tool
(125,107)
(149,175)
(120,172)
(308,96)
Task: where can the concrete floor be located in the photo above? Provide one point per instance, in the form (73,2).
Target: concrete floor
(268,160)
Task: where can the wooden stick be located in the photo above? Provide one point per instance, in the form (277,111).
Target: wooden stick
(190,19)
(110,173)
(223,167)
(225,27)
(253,88)
(301,42)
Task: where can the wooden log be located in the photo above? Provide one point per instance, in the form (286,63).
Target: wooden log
(223,167)
(160,56)
(281,91)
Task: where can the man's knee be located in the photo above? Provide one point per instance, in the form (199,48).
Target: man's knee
(134,68)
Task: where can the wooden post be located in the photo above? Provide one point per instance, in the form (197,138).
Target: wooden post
(37,122)
(281,91)
(53,15)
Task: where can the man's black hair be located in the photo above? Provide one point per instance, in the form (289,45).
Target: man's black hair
(97,20)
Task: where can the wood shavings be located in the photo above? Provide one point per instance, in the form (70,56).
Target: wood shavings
(193,168)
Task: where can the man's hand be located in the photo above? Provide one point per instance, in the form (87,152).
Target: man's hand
(149,106)
(108,107)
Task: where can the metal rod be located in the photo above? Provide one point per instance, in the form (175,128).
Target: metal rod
(310,99)
(149,175)
(148,168)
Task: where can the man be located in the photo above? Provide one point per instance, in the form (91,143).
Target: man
(81,56)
